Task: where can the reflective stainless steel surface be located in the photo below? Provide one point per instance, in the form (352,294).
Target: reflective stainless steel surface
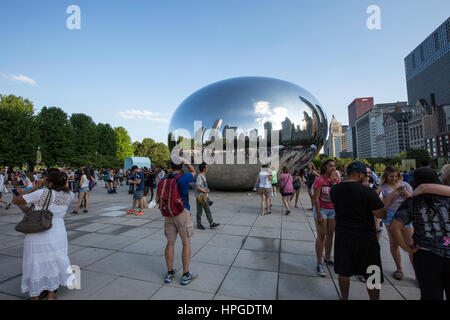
(250,106)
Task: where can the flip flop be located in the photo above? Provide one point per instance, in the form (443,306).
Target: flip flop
(398,275)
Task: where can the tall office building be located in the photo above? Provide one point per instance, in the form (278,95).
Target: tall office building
(334,138)
(358,107)
(370,129)
(396,133)
(427,70)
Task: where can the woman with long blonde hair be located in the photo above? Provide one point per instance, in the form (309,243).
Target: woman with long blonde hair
(393,192)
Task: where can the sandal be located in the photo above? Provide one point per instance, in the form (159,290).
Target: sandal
(398,275)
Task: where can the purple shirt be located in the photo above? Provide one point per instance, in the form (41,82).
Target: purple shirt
(286,183)
(397,201)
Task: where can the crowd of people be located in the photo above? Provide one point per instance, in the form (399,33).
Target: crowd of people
(353,207)
(350,209)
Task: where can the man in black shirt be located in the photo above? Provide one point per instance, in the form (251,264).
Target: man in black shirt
(356,245)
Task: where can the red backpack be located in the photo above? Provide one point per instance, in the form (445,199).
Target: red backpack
(168,197)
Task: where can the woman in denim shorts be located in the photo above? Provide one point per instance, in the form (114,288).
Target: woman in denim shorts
(84,190)
(324,215)
(393,192)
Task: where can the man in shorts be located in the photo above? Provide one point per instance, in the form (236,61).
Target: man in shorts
(138,194)
(356,245)
(182,225)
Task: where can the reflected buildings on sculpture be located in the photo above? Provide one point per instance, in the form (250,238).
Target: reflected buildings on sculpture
(244,109)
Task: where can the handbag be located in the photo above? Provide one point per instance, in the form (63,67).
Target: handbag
(282,187)
(37,221)
(203,197)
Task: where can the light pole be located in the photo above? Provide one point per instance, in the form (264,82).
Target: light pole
(38,156)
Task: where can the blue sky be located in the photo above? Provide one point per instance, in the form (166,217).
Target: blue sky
(133,62)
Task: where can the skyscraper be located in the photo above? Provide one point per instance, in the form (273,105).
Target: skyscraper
(334,139)
(427,70)
(358,107)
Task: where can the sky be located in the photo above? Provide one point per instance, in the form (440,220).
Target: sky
(133,62)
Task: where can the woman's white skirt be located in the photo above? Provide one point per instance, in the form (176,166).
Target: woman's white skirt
(46,264)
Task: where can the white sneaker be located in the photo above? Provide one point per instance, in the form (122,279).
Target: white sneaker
(152,204)
(271,194)
(320,271)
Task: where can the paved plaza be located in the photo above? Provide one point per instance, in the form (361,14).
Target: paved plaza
(247,257)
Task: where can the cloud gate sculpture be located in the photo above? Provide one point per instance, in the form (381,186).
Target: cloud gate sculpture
(241,123)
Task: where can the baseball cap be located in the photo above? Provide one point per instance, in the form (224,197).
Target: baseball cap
(425,175)
(357,166)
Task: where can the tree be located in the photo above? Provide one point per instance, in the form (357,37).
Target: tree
(379,168)
(107,140)
(124,147)
(55,137)
(420,155)
(85,138)
(157,152)
(18,138)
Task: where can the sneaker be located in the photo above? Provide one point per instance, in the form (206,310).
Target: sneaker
(169,276)
(131,211)
(188,279)
(330,262)
(140,213)
(201,227)
(7,206)
(271,194)
(214,225)
(320,271)
(74,212)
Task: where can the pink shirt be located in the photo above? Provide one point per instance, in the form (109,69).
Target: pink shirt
(324,185)
(286,183)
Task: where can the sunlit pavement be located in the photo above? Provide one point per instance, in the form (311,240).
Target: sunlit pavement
(248,256)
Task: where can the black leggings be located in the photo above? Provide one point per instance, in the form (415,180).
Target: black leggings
(433,274)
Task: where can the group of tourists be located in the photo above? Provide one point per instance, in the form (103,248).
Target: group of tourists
(350,210)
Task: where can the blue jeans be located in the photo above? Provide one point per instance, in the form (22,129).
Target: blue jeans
(390,216)
(325,213)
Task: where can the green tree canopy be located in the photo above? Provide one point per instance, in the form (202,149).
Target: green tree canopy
(157,152)
(56,137)
(107,140)
(419,154)
(18,138)
(85,135)
(124,147)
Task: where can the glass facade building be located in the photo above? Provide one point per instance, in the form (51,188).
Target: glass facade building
(427,68)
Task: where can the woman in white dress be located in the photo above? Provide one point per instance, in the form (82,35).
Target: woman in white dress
(46,264)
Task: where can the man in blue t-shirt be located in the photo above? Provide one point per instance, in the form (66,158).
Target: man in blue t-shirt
(181,224)
(138,195)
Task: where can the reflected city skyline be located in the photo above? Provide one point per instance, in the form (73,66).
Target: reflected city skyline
(249,110)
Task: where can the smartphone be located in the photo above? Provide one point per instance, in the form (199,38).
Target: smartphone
(16,193)
(401,188)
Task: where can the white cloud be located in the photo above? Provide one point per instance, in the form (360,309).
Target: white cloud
(19,78)
(134,114)
(274,115)
(262,107)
